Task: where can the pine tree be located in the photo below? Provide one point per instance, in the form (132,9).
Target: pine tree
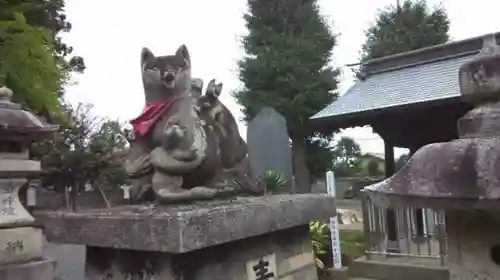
(287,67)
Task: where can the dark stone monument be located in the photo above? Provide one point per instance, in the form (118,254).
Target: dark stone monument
(269,145)
(461,176)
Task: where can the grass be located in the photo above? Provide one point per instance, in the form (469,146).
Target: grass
(352,244)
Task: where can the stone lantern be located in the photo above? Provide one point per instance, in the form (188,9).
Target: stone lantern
(20,242)
(462,177)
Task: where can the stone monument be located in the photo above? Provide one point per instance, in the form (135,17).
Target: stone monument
(209,219)
(462,176)
(20,242)
(269,144)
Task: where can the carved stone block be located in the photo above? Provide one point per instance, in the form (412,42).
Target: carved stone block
(20,244)
(226,238)
(12,212)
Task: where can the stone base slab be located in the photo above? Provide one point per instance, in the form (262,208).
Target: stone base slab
(285,255)
(335,273)
(184,228)
(43,269)
(20,244)
(398,268)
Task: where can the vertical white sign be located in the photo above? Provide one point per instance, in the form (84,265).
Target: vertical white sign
(31,196)
(126,191)
(337,256)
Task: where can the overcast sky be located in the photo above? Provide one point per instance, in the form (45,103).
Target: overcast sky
(109,34)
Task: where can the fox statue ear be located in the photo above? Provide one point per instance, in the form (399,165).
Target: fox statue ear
(212,89)
(146,57)
(218,89)
(211,84)
(183,52)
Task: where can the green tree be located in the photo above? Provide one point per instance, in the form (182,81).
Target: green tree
(411,26)
(319,156)
(373,168)
(48,14)
(347,151)
(402,160)
(34,62)
(27,65)
(286,67)
(85,150)
(346,155)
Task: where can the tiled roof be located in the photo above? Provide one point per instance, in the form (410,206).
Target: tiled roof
(422,83)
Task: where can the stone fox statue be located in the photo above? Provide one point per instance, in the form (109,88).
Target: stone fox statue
(175,150)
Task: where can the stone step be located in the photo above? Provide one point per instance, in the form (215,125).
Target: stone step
(397,269)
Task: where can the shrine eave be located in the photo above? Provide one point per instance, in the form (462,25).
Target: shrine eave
(409,87)
(368,117)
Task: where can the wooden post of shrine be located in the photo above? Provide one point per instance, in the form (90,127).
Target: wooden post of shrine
(390,214)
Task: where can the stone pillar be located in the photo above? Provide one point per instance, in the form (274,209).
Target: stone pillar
(20,242)
(240,238)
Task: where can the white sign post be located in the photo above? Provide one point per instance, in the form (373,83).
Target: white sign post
(31,196)
(126,191)
(337,256)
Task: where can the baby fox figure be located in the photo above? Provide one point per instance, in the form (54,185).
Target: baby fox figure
(232,147)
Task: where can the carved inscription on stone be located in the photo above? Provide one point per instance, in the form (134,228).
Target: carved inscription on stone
(8,206)
(263,268)
(20,244)
(14,246)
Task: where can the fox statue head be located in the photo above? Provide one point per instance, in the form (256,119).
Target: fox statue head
(163,76)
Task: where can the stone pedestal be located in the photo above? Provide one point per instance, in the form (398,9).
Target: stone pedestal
(42,269)
(472,237)
(236,239)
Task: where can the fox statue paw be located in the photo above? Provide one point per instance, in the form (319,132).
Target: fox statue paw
(181,155)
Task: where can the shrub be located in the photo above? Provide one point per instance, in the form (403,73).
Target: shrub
(319,237)
(273,182)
